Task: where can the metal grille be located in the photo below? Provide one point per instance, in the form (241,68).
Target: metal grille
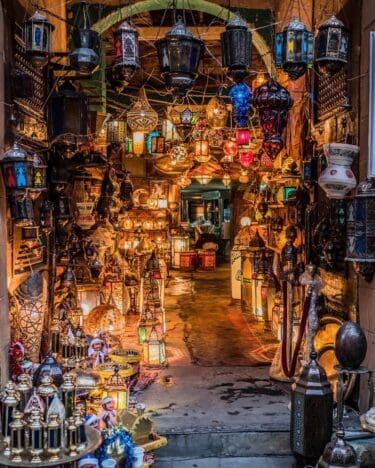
(331,95)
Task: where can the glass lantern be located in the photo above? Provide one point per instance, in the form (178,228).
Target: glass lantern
(138,143)
(243,137)
(294,49)
(149,139)
(154,350)
(216,113)
(17,167)
(201,153)
(126,61)
(332,46)
(246,158)
(157,144)
(179,243)
(117,389)
(37,35)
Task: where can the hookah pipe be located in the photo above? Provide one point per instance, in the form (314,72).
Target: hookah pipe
(289,261)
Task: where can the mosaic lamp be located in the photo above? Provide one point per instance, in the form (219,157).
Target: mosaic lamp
(142,117)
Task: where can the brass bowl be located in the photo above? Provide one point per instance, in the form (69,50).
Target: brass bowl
(125,356)
(106,370)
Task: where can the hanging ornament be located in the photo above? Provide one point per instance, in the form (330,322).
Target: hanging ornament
(244,177)
(84,58)
(241,96)
(230,148)
(216,113)
(142,117)
(332,46)
(37,34)
(294,49)
(273,103)
(126,61)
(236,48)
(179,53)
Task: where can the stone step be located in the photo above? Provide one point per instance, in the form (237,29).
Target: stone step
(229,462)
(226,444)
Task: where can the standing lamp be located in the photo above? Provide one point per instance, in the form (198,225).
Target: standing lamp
(154,350)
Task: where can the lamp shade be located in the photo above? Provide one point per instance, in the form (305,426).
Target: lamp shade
(179,53)
(236,48)
(37,34)
(246,158)
(142,117)
(230,148)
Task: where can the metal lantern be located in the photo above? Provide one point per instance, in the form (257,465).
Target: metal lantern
(312,411)
(67,114)
(17,169)
(142,117)
(117,389)
(241,96)
(68,394)
(47,389)
(236,48)
(21,208)
(8,405)
(226,180)
(39,169)
(17,437)
(84,58)
(273,103)
(126,53)
(179,53)
(332,46)
(201,153)
(35,435)
(37,35)
(216,112)
(157,144)
(54,437)
(360,224)
(294,49)
(246,158)
(24,389)
(154,350)
(149,138)
(80,421)
(338,453)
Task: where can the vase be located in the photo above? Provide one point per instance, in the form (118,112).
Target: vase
(351,345)
(338,178)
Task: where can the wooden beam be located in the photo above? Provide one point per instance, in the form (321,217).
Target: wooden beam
(206,33)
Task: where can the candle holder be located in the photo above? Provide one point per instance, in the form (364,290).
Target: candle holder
(17,436)
(54,437)
(35,436)
(71,441)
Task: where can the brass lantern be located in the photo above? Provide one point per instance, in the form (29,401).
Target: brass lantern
(37,35)
(142,117)
(201,153)
(216,113)
(117,389)
(179,53)
(236,48)
(332,46)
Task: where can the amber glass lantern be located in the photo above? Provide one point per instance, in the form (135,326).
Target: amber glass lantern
(138,143)
(117,389)
(246,158)
(201,153)
(216,113)
(154,350)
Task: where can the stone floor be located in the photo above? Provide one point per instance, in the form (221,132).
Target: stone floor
(216,379)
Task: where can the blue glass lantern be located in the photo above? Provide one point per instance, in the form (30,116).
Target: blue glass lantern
(241,97)
(37,35)
(150,136)
(294,49)
(17,169)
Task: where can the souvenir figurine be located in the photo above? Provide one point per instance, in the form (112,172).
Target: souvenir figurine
(96,352)
(103,335)
(107,416)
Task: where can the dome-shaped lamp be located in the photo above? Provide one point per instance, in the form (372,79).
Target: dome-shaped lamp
(338,453)
(179,53)
(236,48)
(294,49)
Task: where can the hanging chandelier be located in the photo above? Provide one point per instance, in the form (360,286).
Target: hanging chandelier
(179,53)
(126,61)
(236,48)
(294,49)
(332,46)
(142,117)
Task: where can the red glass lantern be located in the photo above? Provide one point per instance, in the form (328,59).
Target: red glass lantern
(242,137)
(273,103)
(230,148)
(246,158)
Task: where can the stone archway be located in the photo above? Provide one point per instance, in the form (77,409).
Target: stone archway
(198,5)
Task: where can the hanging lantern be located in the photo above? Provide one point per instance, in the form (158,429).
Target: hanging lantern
(37,35)
(21,208)
(186,116)
(17,169)
(203,179)
(294,49)
(273,103)
(67,114)
(242,137)
(230,148)
(84,58)
(246,158)
(126,61)
(8,404)
(338,453)
(332,46)
(142,117)
(157,144)
(226,180)
(138,143)
(360,235)
(39,172)
(216,113)
(201,153)
(236,48)
(179,53)
(241,96)
(150,136)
